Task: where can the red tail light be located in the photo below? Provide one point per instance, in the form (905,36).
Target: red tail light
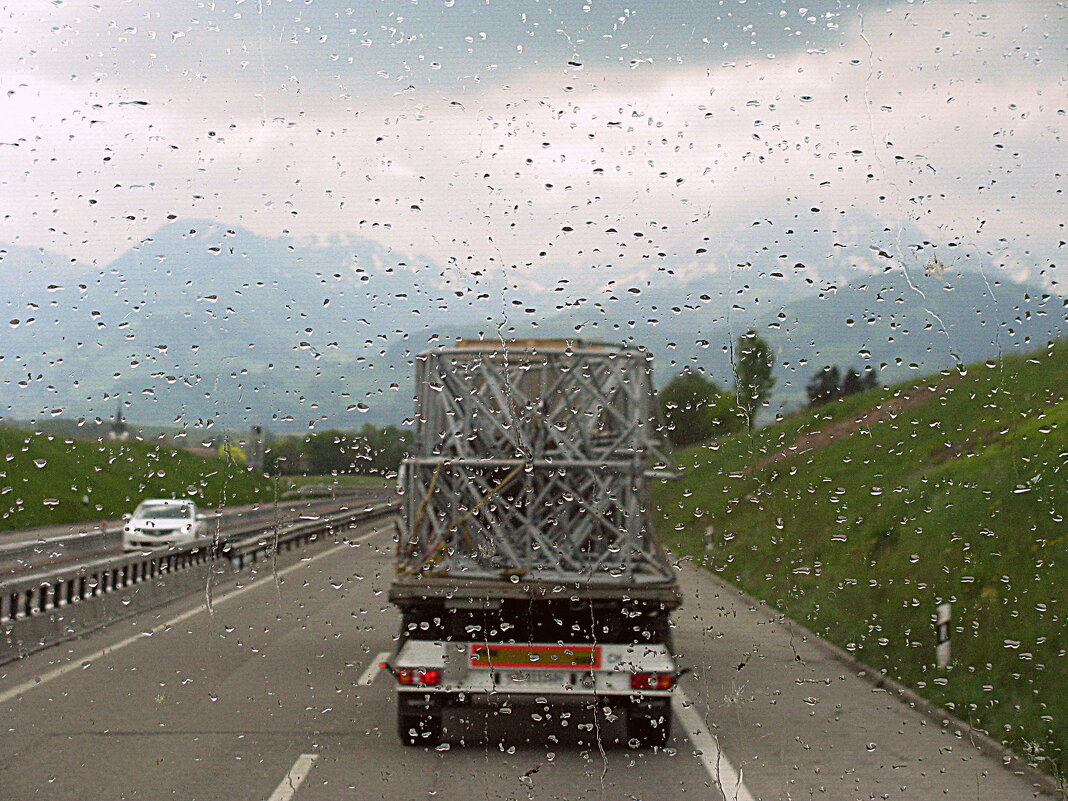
(652,681)
(422,677)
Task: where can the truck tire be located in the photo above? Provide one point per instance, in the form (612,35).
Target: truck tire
(419,729)
(648,728)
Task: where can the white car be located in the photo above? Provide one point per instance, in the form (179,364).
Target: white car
(160,522)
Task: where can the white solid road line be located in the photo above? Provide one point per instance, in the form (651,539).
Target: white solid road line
(368,676)
(77,664)
(296,776)
(708,750)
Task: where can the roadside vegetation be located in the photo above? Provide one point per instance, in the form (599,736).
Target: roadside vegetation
(693,408)
(369,450)
(48,479)
(859,516)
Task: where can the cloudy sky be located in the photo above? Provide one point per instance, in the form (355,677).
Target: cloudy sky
(550,140)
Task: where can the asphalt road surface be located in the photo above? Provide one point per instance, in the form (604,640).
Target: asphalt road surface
(273,693)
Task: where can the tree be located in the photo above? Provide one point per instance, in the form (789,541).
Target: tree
(752,374)
(724,414)
(283,456)
(824,386)
(232,453)
(371,450)
(852,384)
(695,409)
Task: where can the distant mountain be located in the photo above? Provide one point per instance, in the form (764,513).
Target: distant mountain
(910,326)
(905,324)
(853,291)
(203,322)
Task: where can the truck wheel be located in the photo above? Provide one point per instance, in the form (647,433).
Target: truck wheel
(647,728)
(416,730)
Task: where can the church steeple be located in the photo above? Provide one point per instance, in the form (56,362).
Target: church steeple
(118,425)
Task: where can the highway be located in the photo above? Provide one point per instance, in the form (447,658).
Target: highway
(273,693)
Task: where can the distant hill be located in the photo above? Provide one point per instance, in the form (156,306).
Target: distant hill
(55,479)
(910,326)
(858,518)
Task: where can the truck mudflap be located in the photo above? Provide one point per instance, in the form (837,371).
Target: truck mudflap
(593,669)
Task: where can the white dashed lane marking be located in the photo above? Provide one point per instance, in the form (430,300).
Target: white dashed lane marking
(295,778)
(369,675)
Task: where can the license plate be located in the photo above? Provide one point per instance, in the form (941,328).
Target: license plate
(538,677)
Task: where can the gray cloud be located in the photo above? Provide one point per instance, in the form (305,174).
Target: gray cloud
(679,125)
(441,46)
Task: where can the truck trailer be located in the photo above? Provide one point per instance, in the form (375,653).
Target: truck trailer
(526,564)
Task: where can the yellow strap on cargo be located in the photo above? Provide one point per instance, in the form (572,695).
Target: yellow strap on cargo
(429,491)
(462,520)
(490,494)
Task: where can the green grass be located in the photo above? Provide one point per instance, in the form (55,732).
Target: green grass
(47,479)
(960,497)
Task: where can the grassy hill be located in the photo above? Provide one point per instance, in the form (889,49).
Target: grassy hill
(860,517)
(47,479)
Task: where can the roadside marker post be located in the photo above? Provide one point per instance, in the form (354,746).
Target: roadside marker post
(943,617)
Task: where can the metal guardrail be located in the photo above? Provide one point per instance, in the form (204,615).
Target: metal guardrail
(100,539)
(24,598)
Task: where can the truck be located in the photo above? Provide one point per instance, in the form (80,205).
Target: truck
(526,564)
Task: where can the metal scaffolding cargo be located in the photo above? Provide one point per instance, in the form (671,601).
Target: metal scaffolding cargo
(537,399)
(531,460)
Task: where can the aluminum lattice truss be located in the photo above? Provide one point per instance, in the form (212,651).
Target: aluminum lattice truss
(531,460)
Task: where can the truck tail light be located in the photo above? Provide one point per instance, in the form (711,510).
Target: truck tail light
(652,681)
(421,677)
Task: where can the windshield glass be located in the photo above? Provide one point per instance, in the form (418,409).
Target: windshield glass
(163,511)
(527,400)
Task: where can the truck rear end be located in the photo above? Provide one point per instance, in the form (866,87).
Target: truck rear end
(526,564)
